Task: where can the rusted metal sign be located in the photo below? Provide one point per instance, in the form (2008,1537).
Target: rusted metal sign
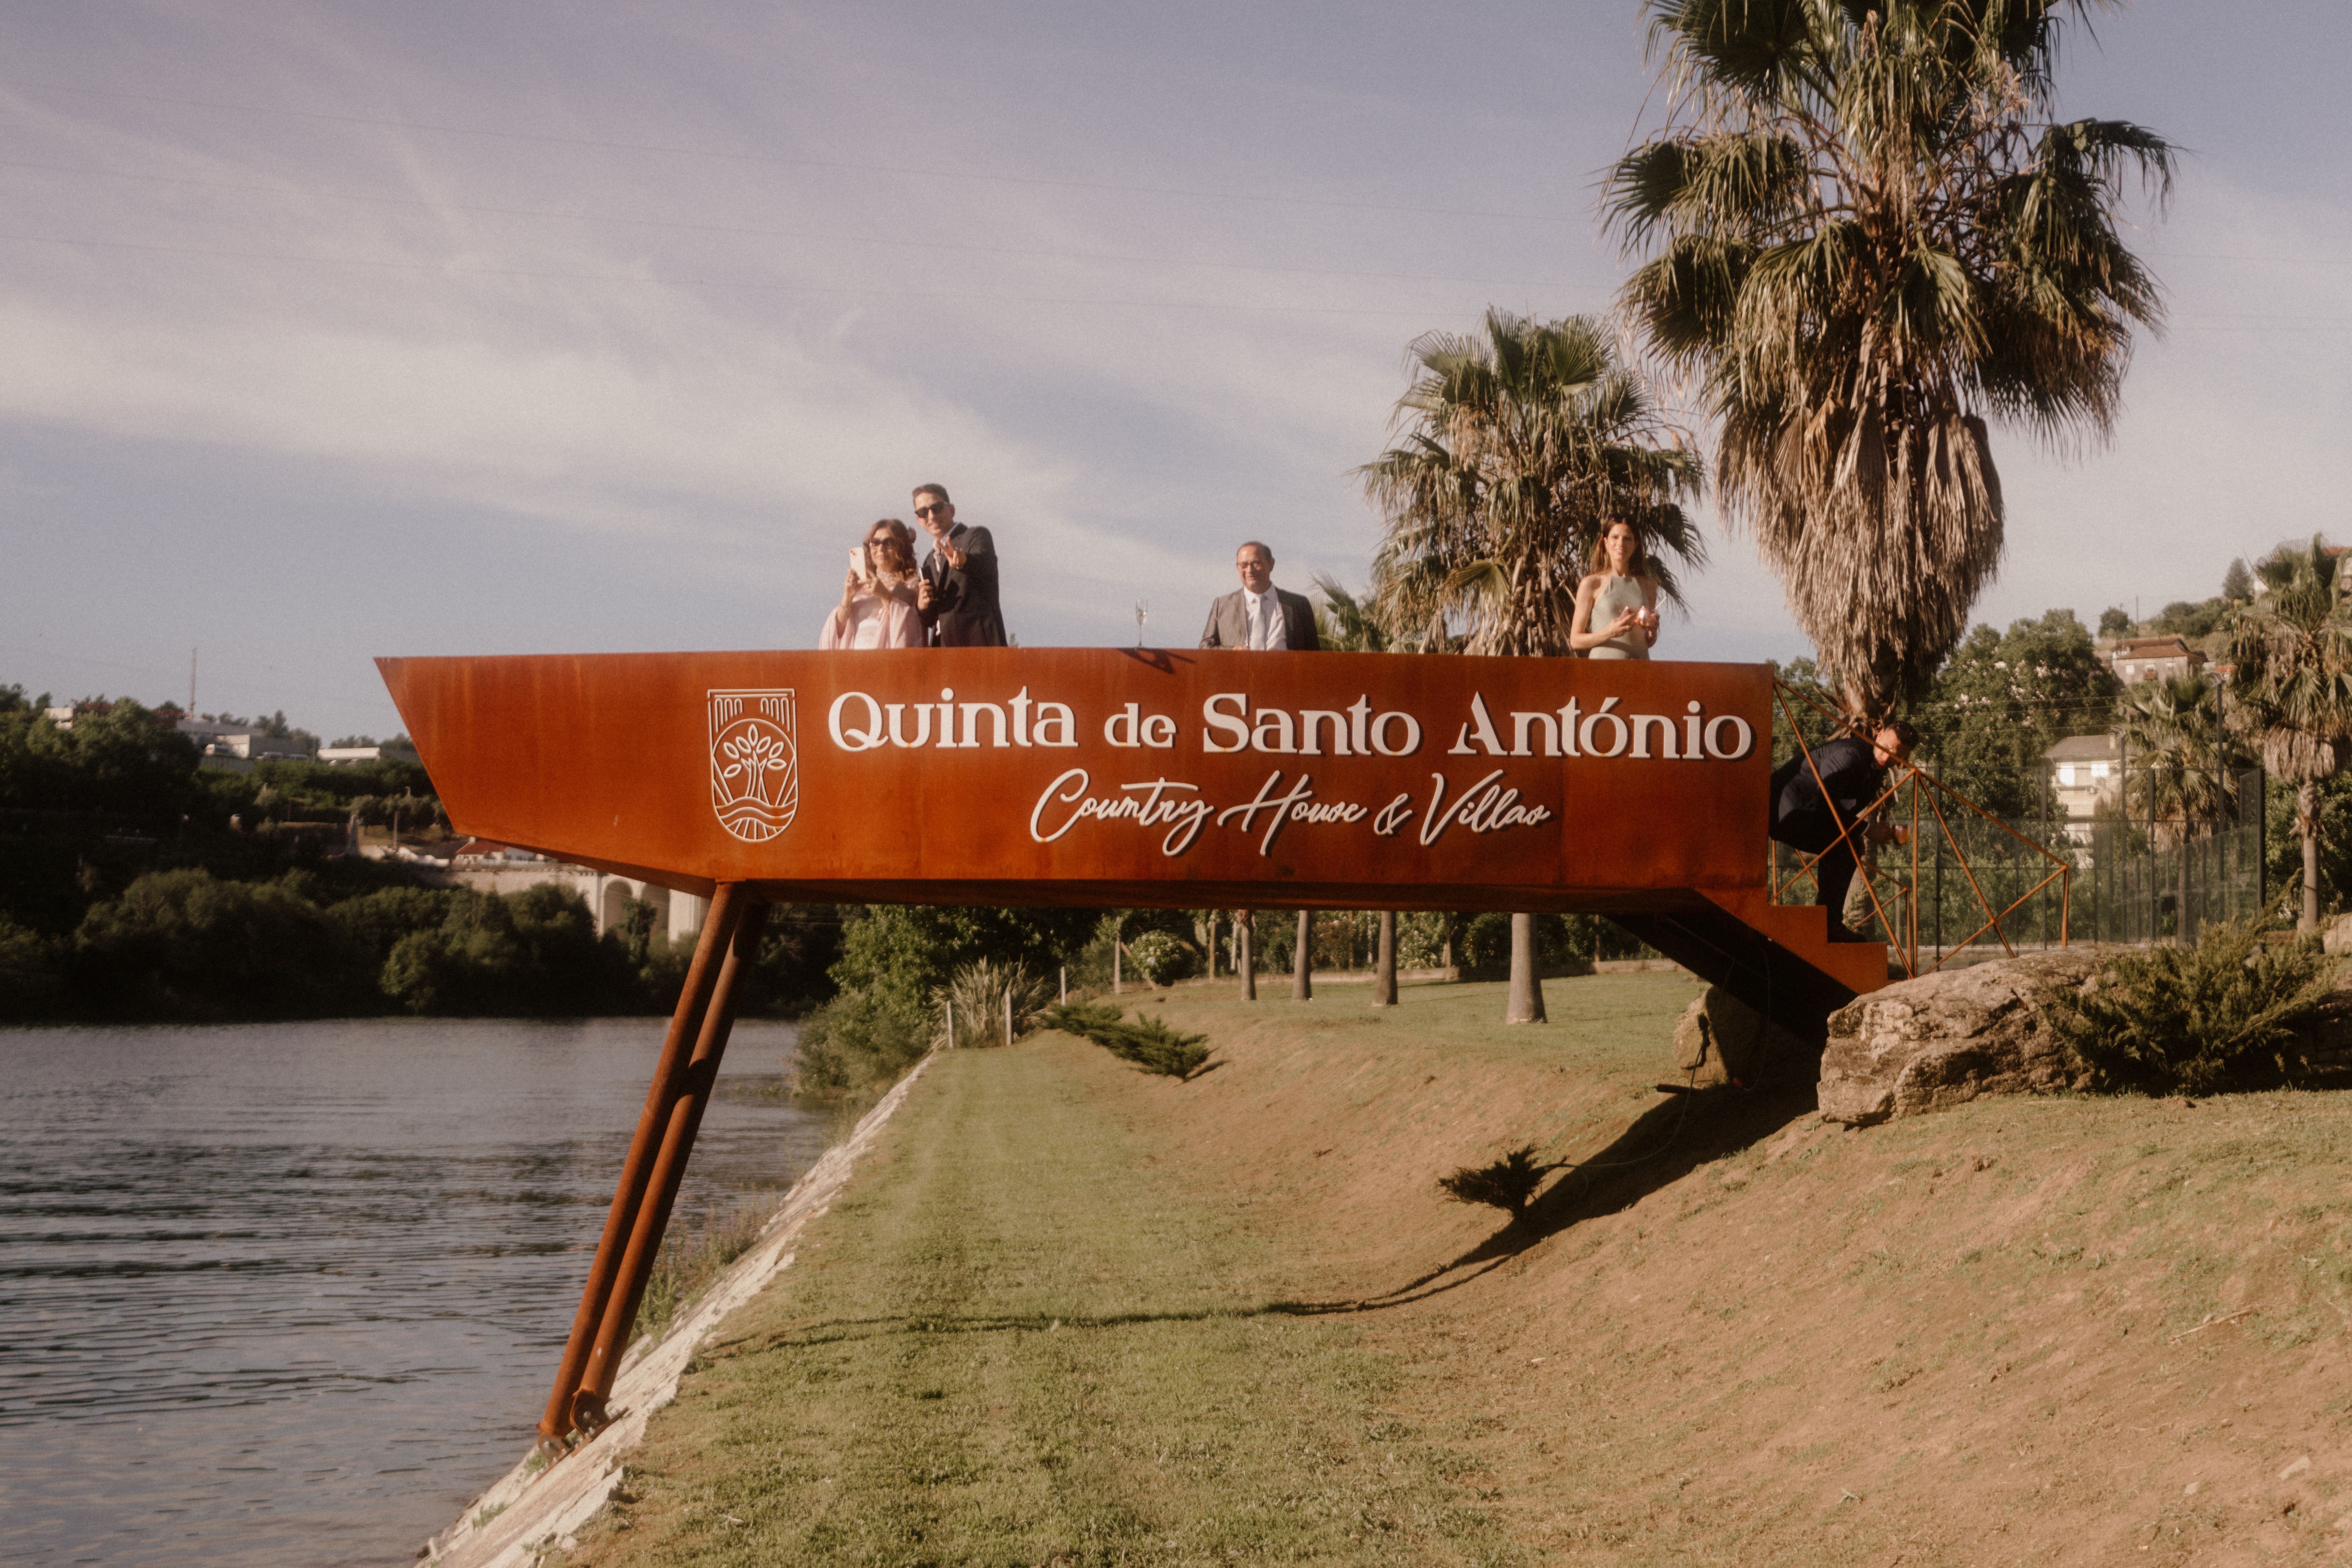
(1131,778)
(1075,776)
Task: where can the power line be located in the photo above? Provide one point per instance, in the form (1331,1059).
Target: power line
(737,229)
(775,158)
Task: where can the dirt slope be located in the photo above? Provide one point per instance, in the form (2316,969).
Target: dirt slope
(2062,1330)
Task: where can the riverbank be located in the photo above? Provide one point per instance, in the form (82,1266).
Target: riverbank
(2067,1330)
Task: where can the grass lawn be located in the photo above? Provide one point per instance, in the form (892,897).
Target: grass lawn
(1070,1313)
(1019,1342)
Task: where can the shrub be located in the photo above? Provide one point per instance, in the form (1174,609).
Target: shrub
(978,994)
(1162,957)
(29,985)
(856,1042)
(181,944)
(1147,1044)
(2225,1014)
(1509,1184)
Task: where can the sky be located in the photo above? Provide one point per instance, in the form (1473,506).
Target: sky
(339,331)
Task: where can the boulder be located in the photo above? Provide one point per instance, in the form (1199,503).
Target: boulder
(1721,1039)
(1944,1039)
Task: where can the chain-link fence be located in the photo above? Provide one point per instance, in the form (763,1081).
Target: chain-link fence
(2132,882)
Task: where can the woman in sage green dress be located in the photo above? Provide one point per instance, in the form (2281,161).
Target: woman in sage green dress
(1617,604)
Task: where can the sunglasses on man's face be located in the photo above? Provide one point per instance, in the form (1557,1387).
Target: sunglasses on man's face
(927,510)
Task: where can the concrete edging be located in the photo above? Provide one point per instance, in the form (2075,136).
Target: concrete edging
(531,1511)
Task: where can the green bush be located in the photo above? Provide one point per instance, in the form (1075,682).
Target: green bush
(978,994)
(181,944)
(533,955)
(1162,957)
(1147,1044)
(2226,1014)
(30,986)
(858,1041)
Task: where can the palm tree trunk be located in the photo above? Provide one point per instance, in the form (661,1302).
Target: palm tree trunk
(2306,823)
(1302,964)
(1385,965)
(1525,1005)
(1245,953)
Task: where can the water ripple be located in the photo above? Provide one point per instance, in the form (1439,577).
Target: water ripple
(289,1294)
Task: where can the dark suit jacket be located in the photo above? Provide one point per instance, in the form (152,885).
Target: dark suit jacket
(1229,622)
(964,611)
(1801,819)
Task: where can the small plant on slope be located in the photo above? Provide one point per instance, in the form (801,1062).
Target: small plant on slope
(1148,1044)
(2222,1014)
(1508,1184)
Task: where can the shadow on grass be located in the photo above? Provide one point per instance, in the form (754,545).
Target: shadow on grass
(844,1331)
(1665,1145)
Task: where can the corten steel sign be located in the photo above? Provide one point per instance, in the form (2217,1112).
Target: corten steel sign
(1215,778)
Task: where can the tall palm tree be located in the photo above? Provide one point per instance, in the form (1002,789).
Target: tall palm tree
(1521,441)
(1872,235)
(2176,783)
(2292,650)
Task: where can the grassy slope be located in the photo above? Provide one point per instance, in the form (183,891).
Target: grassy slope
(1018,1343)
(1954,1339)
(1967,1337)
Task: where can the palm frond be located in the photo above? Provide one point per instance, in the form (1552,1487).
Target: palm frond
(1865,232)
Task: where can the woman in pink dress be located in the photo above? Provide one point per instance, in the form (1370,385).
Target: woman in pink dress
(877,594)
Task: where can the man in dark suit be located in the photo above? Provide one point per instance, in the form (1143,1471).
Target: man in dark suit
(1259,615)
(1815,815)
(956,595)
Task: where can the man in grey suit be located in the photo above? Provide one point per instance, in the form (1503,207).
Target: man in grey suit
(1259,615)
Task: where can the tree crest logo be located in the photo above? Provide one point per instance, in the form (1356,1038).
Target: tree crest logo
(755,769)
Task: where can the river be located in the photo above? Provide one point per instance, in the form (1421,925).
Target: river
(292,1293)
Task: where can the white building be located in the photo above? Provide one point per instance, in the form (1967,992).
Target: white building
(2136,660)
(2085,773)
(234,748)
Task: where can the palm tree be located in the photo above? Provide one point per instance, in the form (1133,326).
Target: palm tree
(1872,236)
(1345,621)
(1521,444)
(2170,730)
(2292,650)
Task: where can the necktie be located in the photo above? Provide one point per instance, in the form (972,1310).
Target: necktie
(1258,632)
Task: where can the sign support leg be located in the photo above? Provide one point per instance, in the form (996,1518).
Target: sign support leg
(683,1121)
(718,929)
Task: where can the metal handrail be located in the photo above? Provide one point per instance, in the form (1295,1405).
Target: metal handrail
(1902,929)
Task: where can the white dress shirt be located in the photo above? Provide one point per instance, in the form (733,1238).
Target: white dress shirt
(1268,632)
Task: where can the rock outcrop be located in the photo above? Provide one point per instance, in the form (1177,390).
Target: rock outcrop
(1721,1039)
(1945,1038)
